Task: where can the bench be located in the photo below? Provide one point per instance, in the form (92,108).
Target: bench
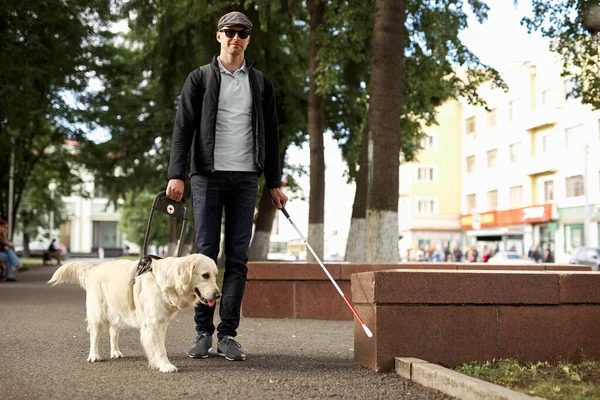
(446,313)
(452,317)
(301,290)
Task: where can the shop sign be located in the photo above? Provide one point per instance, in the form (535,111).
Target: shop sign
(525,215)
(515,216)
(478,220)
(534,213)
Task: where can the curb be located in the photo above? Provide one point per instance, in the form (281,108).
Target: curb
(453,383)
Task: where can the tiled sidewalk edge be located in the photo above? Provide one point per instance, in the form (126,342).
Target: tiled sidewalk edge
(453,383)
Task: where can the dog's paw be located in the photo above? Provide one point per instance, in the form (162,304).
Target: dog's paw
(116,354)
(167,368)
(94,357)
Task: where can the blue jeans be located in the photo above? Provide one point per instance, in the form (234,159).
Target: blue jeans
(11,260)
(234,192)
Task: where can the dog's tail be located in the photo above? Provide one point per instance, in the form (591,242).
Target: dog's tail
(75,272)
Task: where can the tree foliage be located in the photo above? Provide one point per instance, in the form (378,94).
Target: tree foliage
(134,221)
(437,67)
(47,51)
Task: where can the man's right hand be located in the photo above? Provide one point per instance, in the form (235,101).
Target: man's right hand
(175,189)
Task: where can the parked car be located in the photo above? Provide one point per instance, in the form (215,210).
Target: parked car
(586,256)
(37,248)
(509,257)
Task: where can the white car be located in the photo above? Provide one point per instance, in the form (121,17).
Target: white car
(509,257)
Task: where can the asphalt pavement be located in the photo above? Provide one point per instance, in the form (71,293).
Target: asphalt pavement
(44,347)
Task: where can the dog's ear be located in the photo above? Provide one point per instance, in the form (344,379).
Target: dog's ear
(184,271)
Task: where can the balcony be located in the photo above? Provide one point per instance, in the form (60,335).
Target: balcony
(541,117)
(542,165)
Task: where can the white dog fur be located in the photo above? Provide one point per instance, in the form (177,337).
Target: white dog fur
(115,301)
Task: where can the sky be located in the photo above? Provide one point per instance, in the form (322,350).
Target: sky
(501,41)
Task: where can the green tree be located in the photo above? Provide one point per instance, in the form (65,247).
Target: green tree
(141,86)
(134,221)
(47,50)
(381,236)
(433,63)
(316,129)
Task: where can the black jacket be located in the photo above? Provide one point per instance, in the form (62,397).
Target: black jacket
(196,121)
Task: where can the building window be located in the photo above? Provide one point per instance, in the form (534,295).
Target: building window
(426,174)
(548,191)
(547,99)
(492,199)
(574,136)
(573,237)
(471,202)
(516,196)
(429,142)
(98,191)
(470,125)
(548,143)
(470,164)
(492,117)
(575,186)
(569,85)
(515,151)
(511,105)
(491,158)
(426,205)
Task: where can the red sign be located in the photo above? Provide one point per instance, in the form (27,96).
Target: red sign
(515,216)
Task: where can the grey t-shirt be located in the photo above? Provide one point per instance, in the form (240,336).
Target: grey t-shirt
(234,141)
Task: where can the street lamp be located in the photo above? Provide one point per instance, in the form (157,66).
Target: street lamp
(52,188)
(586,211)
(591,23)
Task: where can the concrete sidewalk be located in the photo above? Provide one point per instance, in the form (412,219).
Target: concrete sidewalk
(44,347)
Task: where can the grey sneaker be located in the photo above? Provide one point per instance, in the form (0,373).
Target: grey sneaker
(202,346)
(230,349)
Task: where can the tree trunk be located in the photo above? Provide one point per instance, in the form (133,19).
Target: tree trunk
(383,152)
(316,126)
(259,248)
(355,246)
(26,240)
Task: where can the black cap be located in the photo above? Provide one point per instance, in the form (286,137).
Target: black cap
(234,18)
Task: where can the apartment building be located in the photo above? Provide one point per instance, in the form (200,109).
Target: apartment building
(526,176)
(430,189)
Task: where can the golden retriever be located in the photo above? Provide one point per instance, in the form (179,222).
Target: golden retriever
(116,299)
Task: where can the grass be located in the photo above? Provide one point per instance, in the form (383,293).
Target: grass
(32,261)
(560,380)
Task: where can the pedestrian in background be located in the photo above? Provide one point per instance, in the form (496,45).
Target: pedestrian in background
(227,117)
(7,253)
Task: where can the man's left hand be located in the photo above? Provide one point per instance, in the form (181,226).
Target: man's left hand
(278,198)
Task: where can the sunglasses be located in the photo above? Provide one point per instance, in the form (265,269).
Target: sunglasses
(230,33)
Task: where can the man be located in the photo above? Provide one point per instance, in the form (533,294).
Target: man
(7,253)
(229,121)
